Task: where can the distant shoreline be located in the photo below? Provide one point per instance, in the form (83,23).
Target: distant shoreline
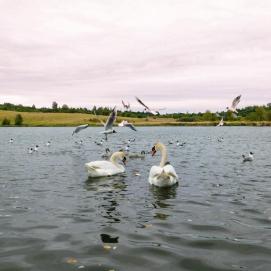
(38,119)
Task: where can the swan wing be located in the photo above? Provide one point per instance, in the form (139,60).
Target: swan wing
(169,169)
(163,176)
(103,168)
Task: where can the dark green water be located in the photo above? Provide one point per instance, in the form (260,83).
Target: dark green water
(218,218)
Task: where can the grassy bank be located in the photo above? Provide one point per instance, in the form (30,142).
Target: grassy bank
(75,119)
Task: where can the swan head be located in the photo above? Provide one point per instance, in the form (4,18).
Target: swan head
(114,131)
(153,151)
(157,146)
(120,155)
(124,160)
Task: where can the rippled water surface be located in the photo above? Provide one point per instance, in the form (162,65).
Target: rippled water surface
(53,218)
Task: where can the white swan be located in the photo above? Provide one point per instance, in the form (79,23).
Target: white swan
(163,175)
(107,168)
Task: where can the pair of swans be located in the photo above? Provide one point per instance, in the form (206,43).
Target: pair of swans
(163,175)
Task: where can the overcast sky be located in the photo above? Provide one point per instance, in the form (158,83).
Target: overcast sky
(185,55)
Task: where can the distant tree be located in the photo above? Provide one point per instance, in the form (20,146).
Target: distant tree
(65,107)
(5,121)
(268,116)
(33,106)
(269,105)
(208,116)
(18,119)
(54,105)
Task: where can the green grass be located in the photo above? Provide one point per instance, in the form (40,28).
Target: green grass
(75,119)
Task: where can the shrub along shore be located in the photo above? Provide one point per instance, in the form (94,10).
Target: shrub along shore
(41,119)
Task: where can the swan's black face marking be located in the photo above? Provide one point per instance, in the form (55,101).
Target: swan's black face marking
(251,153)
(124,160)
(167,163)
(153,151)
(114,131)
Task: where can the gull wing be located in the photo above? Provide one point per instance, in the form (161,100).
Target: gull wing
(79,128)
(110,121)
(131,126)
(124,105)
(236,101)
(142,103)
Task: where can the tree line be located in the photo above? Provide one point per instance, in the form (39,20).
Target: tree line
(249,113)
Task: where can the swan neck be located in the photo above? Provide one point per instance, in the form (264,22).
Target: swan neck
(114,159)
(163,151)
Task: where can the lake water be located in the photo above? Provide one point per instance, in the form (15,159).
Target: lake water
(53,218)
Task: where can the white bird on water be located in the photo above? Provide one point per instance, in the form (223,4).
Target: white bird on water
(107,153)
(30,150)
(234,104)
(248,158)
(99,143)
(125,123)
(80,128)
(135,155)
(107,168)
(36,148)
(11,140)
(163,175)
(48,144)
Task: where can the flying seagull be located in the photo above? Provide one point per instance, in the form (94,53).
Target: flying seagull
(126,106)
(108,127)
(79,128)
(221,123)
(146,108)
(235,102)
(125,123)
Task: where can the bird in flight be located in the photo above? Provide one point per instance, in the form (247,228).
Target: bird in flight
(125,123)
(148,109)
(79,128)
(234,104)
(126,106)
(108,127)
